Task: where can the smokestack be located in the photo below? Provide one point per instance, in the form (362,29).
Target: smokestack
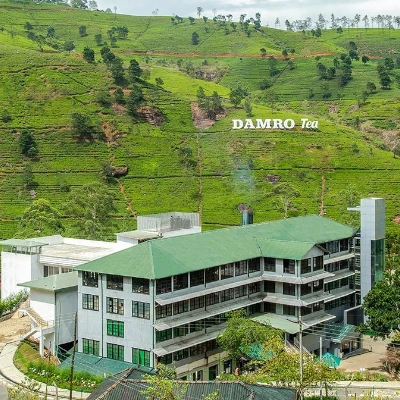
(247,214)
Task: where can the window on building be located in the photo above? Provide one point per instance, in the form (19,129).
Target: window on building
(306,310)
(306,289)
(140,309)
(318,263)
(115,306)
(115,282)
(255,308)
(115,328)
(240,291)
(228,366)
(140,285)
(269,286)
(318,306)
(181,307)
(91,346)
(227,271)
(65,270)
(318,285)
(181,331)
(254,287)
(254,265)
(198,349)
(344,245)
(197,376)
(269,264)
(306,266)
(196,302)
(197,278)
(163,285)
(289,310)
(227,295)
(196,326)
(289,288)
(167,359)
(141,357)
(270,308)
(212,298)
(240,268)
(90,279)
(181,354)
(212,274)
(289,266)
(211,345)
(115,351)
(163,311)
(181,281)
(49,270)
(164,335)
(90,302)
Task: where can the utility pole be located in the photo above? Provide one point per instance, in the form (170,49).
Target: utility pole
(320,360)
(71,377)
(301,357)
(47,372)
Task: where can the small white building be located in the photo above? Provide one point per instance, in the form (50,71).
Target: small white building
(53,302)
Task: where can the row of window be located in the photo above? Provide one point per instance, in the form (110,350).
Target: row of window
(116,352)
(116,306)
(208,275)
(336,284)
(340,265)
(192,327)
(116,282)
(199,349)
(207,300)
(343,301)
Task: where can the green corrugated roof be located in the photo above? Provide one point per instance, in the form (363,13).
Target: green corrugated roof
(53,283)
(171,256)
(284,248)
(277,321)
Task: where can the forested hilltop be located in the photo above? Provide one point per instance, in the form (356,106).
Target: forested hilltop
(107,116)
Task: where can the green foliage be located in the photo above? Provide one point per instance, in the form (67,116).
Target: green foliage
(211,105)
(12,301)
(381,305)
(116,67)
(28,180)
(134,100)
(134,70)
(104,98)
(51,31)
(82,126)
(6,116)
(195,38)
(91,207)
(162,386)
(237,94)
(82,30)
(98,37)
(27,144)
(88,54)
(69,45)
(26,390)
(40,219)
(284,195)
(241,334)
(119,95)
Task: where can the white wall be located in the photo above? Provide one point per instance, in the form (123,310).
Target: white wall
(66,305)
(42,301)
(18,268)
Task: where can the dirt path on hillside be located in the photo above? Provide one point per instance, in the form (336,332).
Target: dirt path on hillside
(127,201)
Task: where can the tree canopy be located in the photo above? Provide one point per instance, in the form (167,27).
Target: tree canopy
(382,307)
(40,219)
(91,206)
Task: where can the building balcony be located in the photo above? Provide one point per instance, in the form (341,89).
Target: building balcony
(341,292)
(338,257)
(303,301)
(196,315)
(197,291)
(185,343)
(298,280)
(345,273)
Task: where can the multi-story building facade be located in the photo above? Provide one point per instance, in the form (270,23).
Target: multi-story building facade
(166,300)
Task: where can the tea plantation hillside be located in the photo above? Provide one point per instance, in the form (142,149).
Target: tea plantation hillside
(69,78)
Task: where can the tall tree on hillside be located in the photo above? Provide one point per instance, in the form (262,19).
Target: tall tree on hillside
(134,70)
(27,144)
(91,206)
(88,54)
(199,11)
(79,4)
(40,219)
